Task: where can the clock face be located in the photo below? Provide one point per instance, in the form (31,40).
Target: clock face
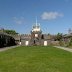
(36,35)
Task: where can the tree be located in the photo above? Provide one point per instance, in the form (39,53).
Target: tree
(70,43)
(13,32)
(59,37)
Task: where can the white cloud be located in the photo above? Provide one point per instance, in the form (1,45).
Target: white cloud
(51,15)
(18,20)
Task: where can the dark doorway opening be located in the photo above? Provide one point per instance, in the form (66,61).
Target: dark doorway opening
(34,42)
(42,37)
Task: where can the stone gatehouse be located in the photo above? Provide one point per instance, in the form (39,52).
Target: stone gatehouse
(35,37)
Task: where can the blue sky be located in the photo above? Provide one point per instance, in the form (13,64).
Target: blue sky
(53,15)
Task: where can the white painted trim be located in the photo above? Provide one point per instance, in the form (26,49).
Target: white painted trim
(45,43)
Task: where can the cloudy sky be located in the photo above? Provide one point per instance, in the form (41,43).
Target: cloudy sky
(53,15)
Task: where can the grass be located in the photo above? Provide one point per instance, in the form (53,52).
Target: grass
(35,59)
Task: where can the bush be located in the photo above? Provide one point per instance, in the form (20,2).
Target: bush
(70,43)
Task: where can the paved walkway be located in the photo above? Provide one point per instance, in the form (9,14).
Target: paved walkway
(6,48)
(64,48)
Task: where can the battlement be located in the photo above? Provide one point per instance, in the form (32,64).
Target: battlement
(25,36)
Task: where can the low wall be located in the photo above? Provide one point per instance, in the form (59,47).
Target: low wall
(56,43)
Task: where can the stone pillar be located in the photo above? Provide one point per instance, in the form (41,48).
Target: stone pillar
(27,43)
(45,43)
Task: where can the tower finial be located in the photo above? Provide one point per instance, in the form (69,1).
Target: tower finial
(36,20)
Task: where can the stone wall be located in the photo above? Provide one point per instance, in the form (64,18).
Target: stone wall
(55,43)
(28,38)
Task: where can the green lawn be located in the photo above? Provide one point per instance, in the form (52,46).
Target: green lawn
(35,59)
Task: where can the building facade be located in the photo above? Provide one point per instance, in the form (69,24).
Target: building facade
(36,37)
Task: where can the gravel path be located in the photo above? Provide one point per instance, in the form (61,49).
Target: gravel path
(6,48)
(64,48)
